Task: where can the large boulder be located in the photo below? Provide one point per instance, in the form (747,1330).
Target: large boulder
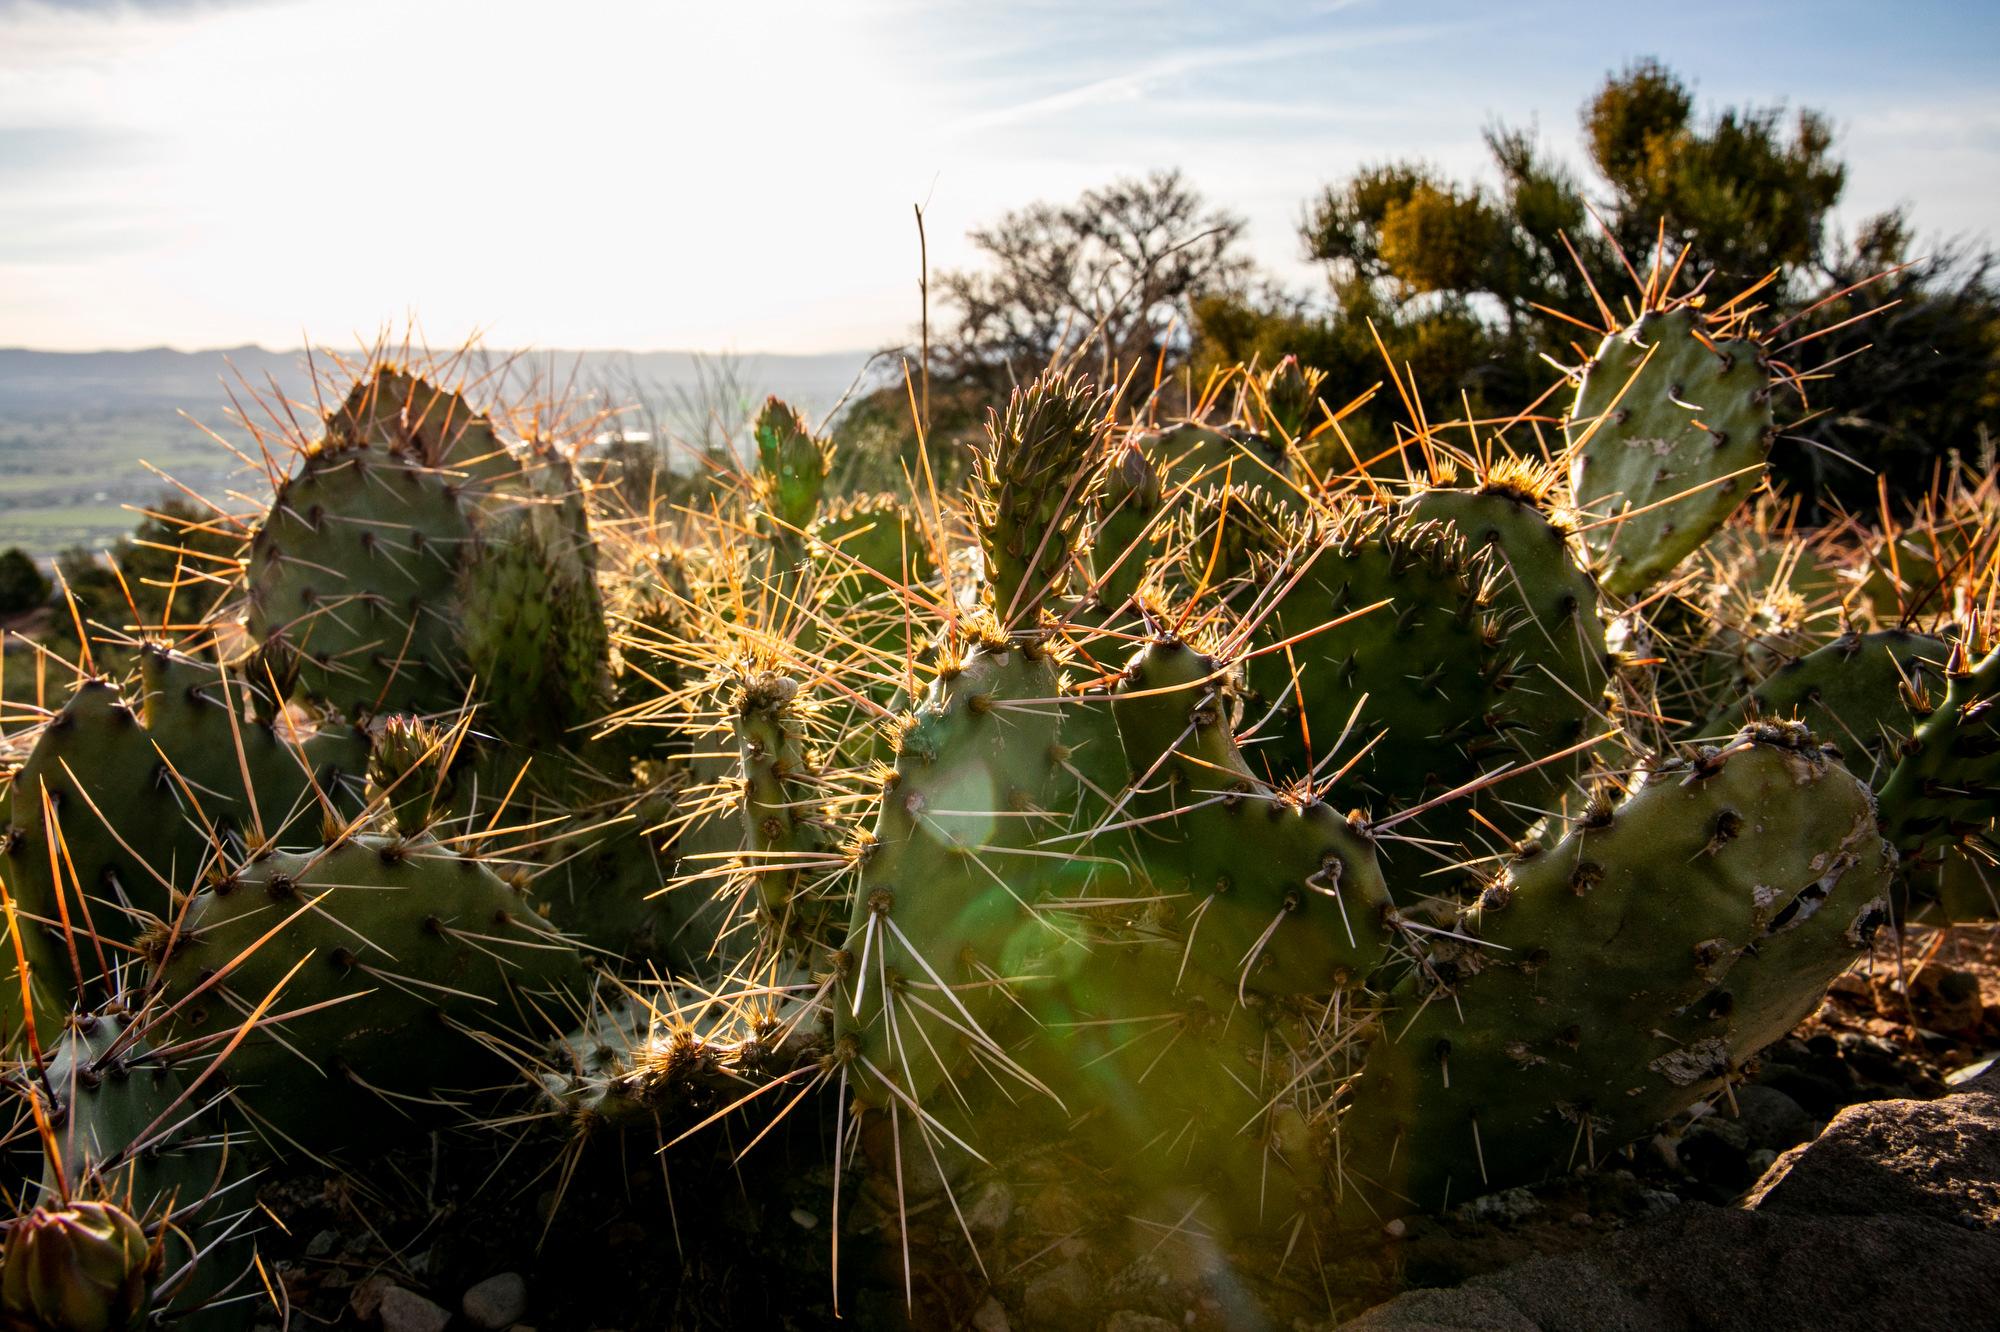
(1891,1217)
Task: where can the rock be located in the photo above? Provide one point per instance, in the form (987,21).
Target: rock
(406,1311)
(991,1210)
(1507,1207)
(1058,1297)
(1947,999)
(497,1302)
(1707,1267)
(1128,1320)
(1938,1159)
(990,1317)
(1891,1215)
(1771,1119)
(1459,1309)
(1657,1202)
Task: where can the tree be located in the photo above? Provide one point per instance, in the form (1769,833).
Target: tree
(1109,280)
(22,585)
(1745,194)
(1475,287)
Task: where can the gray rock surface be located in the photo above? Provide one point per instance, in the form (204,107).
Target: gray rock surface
(1938,1159)
(1890,1218)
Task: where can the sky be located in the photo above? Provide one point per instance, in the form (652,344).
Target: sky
(650,174)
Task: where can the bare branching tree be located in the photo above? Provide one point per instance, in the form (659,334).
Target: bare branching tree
(1102,282)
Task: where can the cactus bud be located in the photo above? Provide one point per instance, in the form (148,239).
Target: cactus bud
(87,1267)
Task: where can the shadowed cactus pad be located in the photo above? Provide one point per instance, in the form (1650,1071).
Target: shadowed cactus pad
(357,950)
(1608,982)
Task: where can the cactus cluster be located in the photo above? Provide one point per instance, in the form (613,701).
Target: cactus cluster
(1297,845)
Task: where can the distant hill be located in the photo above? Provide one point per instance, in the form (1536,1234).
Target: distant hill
(75,426)
(45,383)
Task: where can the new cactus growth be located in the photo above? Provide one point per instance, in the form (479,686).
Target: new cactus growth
(1038,477)
(792,468)
(83,1267)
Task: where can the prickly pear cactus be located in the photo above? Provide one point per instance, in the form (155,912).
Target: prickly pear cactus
(1603,985)
(1309,914)
(1861,692)
(1547,608)
(414,553)
(330,962)
(1945,784)
(133,793)
(1038,477)
(1668,434)
(792,468)
(948,896)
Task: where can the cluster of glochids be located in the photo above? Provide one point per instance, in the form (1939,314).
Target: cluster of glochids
(1295,837)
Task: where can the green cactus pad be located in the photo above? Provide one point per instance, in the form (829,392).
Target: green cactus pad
(1124,530)
(397,936)
(1947,783)
(1661,410)
(866,549)
(404,561)
(784,826)
(532,629)
(147,798)
(1548,607)
(1856,693)
(1195,454)
(948,891)
(1607,983)
(1431,663)
(1307,914)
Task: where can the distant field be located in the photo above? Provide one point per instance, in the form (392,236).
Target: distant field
(75,427)
(66,482)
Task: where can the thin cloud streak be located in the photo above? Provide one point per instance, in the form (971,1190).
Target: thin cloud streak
(1129,85)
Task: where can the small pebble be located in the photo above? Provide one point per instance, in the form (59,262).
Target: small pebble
(1396,1229)
(497,1302)
(406,1311)
(804,1219)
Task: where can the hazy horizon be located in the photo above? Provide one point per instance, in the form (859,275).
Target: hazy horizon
(219,173)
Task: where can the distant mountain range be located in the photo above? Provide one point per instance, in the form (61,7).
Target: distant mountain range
(41,383)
